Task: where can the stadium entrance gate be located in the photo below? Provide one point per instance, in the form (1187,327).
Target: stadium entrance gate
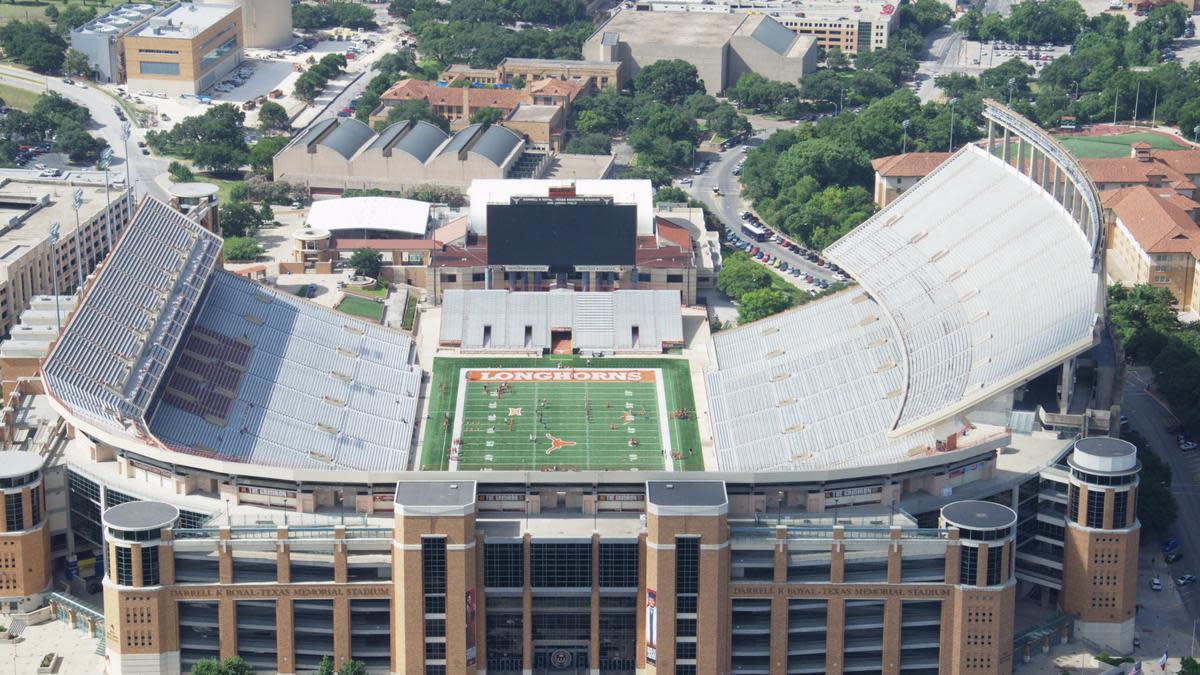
(560,659)
(560,342)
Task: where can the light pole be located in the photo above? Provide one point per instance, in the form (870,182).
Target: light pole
(105,158)
(904,145)
(841,97)
(952,102)
(1012,81)
(77,203)
(54,272)
(126,130)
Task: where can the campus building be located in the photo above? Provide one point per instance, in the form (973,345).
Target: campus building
(875,480)
(184,49)
(102,39)
(338,154)
(29,210)
(721,46)
(849,25)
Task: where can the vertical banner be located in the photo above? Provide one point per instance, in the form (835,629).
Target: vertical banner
(471,627)
(651,626)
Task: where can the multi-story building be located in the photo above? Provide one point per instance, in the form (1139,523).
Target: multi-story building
(184,49)
(1178,170)
(897,173)
(722,46)
(851,26)
(456,104)
(29,261)
(637,249)
(881,476)
(102,39)
(1154,239)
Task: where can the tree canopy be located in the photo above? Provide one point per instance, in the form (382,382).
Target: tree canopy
(415,110)
(487,116)
(242,248)
(232,666)
(330,14)
(34,44)
(366,263)
(272,117)
(213,140)
(239,219)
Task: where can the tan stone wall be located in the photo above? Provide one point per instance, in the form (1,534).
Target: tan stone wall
(1100,574)
(189,52)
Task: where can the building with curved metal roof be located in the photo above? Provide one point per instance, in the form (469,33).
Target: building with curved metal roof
(338,154)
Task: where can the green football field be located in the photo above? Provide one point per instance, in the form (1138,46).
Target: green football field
(562,424)
(1116,145)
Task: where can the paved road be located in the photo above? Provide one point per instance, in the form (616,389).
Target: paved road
(729,205)
(143,168)
(1151,420)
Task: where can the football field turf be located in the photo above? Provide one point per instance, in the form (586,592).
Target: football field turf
(558,414)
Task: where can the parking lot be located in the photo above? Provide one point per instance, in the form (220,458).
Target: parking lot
(990,54)
(769,251)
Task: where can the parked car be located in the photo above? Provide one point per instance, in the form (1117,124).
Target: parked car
(1185,579)
(1172,557)
(1156,584)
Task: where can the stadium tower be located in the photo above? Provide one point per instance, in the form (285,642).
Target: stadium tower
(141,619)
(25,569)
(1100,553)
(981,604)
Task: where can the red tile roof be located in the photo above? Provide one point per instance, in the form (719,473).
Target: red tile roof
(651,254)
(675,234)
(410,90)
(474,255)
(384,244)
(909,164)
(1174,167)
(1160,220)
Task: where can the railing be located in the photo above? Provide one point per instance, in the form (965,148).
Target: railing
(293,532)
(77,605)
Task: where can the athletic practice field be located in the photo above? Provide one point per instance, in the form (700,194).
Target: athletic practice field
(559,414)
(1116,145)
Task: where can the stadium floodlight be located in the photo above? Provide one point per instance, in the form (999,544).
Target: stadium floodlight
(1012,81)
(126,132)
(105,160)
(76,204)
(54,272)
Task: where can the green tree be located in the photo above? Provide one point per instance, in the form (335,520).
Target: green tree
(669,81)
(487,116)
(836,59)
(266,213)
(73,16)
(353,667)
(761,303)
(79,146)
(326,667)
(726,121)
(588,144)
(670,194)
(740,275)
(232,666)
(263,152)
(366,263)
(51,12)
(242,248)
(34,44)
(212,140)
(76,63)
(180,173)
(239,219)
(239,192)
(1143,316)
(273,117)
(517,82)
(1189,666)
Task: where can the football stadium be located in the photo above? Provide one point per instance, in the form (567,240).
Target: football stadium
(566,471)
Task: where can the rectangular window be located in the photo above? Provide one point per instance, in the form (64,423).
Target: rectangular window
(618,565)
(150,566)
(504,565)
(173,52)
(674,278)
(1095,509)
(561,565)
(433,565)
(35,505)
(14,512)
(968,563)
(687,565)
(1073,500)
(994,569)
(478,276)
(218,53)
(124,566)
(449,278)
(1120,509)
(158,68)
(435,650)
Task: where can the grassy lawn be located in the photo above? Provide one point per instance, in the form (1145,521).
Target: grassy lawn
(36,9)
(377,291)
(367,309)
(1116,145)
(224,186)
(410,312)
(18,98)
(563,415)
